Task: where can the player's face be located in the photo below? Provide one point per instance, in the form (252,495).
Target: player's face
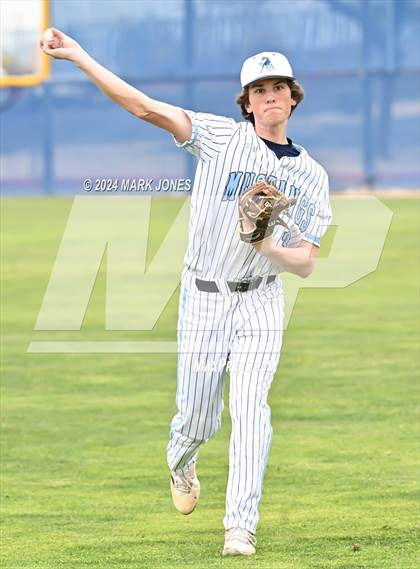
(270,100)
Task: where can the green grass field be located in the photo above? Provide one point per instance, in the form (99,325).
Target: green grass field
(84,476)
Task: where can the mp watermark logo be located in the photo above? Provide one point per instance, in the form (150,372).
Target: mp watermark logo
(136,294)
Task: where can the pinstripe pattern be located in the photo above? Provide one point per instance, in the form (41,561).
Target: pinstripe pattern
(255,349)
(227,150)
(246,330)
(241,332)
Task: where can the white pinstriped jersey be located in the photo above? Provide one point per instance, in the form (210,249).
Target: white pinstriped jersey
(231,157)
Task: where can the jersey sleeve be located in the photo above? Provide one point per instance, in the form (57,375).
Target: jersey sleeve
(210,133)
(322,214)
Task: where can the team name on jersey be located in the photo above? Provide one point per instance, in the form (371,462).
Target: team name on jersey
(238,182)
(302,213)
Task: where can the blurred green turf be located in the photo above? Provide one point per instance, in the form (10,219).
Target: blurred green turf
(84,477)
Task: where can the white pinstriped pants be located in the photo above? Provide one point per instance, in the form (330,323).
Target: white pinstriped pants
(241,331)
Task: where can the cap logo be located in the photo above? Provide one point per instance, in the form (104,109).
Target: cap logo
(266,65)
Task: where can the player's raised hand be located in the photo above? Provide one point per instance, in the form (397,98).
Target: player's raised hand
(56,44)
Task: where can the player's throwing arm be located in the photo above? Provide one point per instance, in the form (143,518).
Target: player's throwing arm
(173,119)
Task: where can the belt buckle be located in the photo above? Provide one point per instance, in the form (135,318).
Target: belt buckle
(243,286)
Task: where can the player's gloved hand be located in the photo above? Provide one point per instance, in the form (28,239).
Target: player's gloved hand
(261,208)
(58,45)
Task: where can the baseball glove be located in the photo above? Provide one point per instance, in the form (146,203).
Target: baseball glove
(259,211)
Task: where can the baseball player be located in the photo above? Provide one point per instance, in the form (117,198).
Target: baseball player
(231,300)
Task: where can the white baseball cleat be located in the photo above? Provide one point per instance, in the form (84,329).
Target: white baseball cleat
(239,541)
(185,489)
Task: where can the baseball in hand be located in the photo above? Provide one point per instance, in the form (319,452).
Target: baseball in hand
(51,40)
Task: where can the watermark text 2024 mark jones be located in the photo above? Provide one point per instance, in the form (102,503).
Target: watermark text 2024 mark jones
(136,185)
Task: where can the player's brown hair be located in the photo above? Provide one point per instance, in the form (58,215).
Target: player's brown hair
(243,98)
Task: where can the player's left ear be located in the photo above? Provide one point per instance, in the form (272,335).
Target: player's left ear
(293,103)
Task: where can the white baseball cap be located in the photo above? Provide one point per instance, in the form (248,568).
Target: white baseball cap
(263,65)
